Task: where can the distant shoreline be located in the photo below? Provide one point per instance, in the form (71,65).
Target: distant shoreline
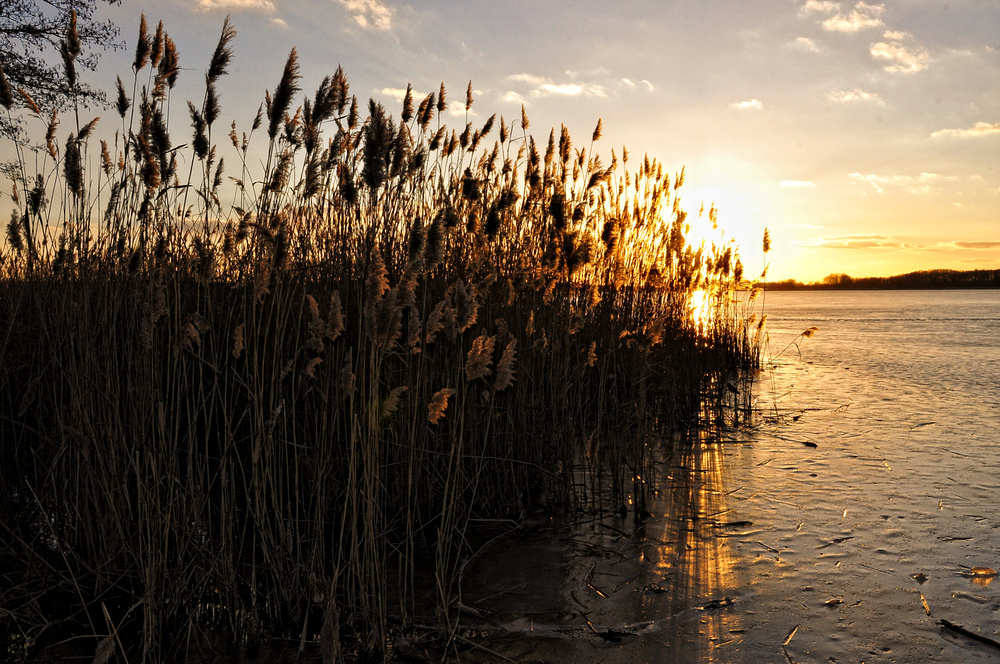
(923,280)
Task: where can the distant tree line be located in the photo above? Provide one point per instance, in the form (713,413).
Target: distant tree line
(924,279)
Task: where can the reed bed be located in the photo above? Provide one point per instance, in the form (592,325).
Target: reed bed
(279,404)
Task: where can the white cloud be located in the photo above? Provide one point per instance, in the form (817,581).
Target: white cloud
(649,86)
(369,14)
(876,181)
(848,96)
(399,94)
(977,130)
(863,16)
(563,89)
(898,35)
(280,22)
(751,104)
(457,110)
(263,5)
(797,183)
(544,87)
(806,44)
(530,79)
(514,98)
(900,57)
(820,6)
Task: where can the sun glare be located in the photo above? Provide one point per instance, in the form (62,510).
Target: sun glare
(741,204)
(700,311)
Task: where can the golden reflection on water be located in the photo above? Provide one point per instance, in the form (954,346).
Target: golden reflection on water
(697,553)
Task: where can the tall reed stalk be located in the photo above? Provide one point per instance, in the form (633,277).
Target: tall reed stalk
(272,417)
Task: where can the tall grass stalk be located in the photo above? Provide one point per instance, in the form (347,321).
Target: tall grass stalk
(274,416)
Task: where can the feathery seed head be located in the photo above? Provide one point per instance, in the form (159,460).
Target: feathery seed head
(505,368)
(14,232)
(479,358)
(238,343)
(30,103)
(425,112)
(391,403)
(69,48)
(439,316)
(142,46)
(438,405)
(157,46)
(347,378)
(335,317)
(407,114)
(122,104)
(73,166)
(50,134)
(466,306)
(282,100)
(223,53)
(311,366)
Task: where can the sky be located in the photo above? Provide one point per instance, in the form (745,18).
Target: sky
(864,136)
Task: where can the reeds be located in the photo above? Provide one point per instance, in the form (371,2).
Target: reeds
(273,416)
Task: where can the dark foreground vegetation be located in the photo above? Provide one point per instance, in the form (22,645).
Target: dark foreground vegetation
(922,280)
(288,415)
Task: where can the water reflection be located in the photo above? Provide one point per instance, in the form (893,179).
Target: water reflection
(662,589)
(697,525)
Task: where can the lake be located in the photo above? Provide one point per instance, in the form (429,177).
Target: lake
(859,512)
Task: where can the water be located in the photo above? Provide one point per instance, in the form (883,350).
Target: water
(843,528)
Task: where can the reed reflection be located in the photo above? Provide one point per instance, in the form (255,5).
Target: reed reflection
(695,555)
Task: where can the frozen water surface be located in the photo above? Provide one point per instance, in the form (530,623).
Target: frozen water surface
(844,528)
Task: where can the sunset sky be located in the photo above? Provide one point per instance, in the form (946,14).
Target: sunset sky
(866,137)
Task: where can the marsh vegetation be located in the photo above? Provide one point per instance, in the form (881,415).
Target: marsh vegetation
(277,403)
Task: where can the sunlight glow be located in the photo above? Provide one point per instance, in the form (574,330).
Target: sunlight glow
(700,308)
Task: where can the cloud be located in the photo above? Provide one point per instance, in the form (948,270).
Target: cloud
(261,5)
(544,87)
(858,242)
(820,6)
(898,35)
(863,16)
(280,22)
(977,130)
(399,94)
(976,245)
(530,79)
(876,181)
(514,98)
(849,96)
(805,44)
(925,183)
(649,86)
(752,104)
(456,109)
(369,14)
(797,183)
(899,56)
(564,89)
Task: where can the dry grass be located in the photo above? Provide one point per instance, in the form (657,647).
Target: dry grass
(272,416)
